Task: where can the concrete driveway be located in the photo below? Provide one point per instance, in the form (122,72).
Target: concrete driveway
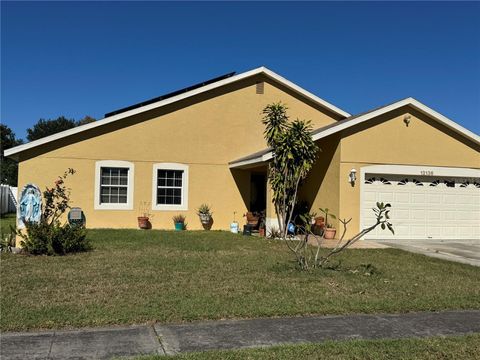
(464,251)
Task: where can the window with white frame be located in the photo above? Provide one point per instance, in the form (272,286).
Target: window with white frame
(170,186)
(113,185)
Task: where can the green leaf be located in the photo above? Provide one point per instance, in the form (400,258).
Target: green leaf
(390,227)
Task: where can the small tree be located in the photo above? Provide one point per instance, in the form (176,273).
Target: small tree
(8,167)
(52,126)
(48,127)
(306,258)
(294,153)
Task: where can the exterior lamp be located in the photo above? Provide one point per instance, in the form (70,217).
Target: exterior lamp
(352,177)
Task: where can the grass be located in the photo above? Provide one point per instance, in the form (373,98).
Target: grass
(135,276)
(6,221)
(461,347)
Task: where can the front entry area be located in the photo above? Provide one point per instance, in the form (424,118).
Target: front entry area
(258,192)
(424,205)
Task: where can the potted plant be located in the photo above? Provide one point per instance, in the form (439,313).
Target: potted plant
(205,214)
(329,231)
(144,217)
(319,221)
(261,227)
(179,221)
(234,225)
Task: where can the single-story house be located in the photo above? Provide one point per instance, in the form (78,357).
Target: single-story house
(204,144)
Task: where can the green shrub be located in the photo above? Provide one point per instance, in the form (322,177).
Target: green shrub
(54,239)
(7,242)
(49,236)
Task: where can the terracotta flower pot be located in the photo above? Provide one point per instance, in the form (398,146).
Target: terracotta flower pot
(143,222)
(329,233)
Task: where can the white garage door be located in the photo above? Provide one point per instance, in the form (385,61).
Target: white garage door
(423,207)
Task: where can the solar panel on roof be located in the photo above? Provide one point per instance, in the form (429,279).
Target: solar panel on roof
(171,94)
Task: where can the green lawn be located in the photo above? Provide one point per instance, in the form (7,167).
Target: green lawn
(135,276)
(6,221)
(462,347)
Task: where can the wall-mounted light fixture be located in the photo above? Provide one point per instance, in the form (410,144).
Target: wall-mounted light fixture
(406,120)
(352,177)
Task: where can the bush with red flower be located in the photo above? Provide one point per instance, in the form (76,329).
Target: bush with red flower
(50,236)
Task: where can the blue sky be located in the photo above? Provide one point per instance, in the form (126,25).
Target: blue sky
(89,58)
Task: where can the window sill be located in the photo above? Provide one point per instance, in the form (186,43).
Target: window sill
(170,207)
(113,207)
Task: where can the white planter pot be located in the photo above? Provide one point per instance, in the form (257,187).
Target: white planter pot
(205,219)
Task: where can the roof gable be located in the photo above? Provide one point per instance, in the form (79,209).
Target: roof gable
(13,152)
(364,117)
(350,122)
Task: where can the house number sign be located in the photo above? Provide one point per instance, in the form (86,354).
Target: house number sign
(426,172)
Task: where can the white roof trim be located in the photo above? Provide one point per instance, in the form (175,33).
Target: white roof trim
(251,162)
(362,118)
(301,91)
(261,70)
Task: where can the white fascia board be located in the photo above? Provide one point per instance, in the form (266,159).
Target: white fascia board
(445,121)
(408,101)
(215,85)
(251,162)
(359,120)
(307,94)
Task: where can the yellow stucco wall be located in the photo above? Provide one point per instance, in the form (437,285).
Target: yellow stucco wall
(321,188)
(205,133)
(387,140)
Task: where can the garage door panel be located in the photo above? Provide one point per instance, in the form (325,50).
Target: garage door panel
(434,199)
(465,231)
(449,199)
(401,231)
(401,198)
(424,207)
(434,232)
(368,214)
(475,232)
(434,215)
(467,216)
(417,214)
(450,215)
(418,231)
(400,214)
(466,200)
(370,196)
(418,198)
(386,196)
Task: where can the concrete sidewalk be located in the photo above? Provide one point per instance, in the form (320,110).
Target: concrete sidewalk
(106,343)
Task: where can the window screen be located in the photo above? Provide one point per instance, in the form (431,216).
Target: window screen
(169,187)
(113,185)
